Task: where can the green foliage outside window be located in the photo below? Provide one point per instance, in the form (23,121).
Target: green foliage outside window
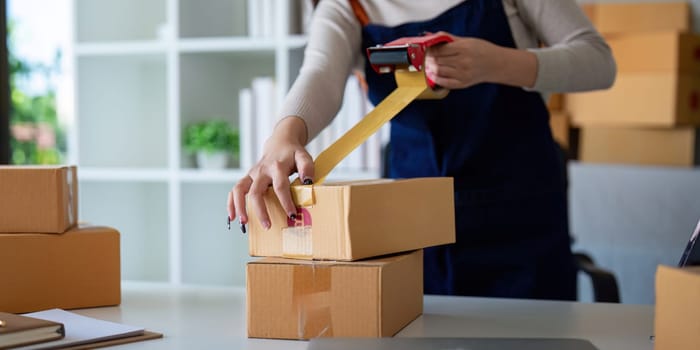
(36,136)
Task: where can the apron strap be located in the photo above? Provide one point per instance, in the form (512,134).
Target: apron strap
(360,12)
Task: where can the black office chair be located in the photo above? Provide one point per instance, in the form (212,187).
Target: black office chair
(604,283)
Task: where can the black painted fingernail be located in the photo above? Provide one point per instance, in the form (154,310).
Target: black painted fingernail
(308,181)
(228,222)
(243,228)
(293,216)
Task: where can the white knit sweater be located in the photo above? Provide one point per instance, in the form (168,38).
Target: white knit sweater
(574,56)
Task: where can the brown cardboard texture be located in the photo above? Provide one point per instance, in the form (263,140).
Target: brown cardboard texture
(640,99)
(301,299)
(76,269)
(559,123)
(677,312)
(38,199)
(639,17)
(664,52)
(555,103)
(639,146)
(360,219)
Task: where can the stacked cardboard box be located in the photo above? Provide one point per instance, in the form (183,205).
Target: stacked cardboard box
(650,115)
(50,261)
(677,312)
(350,264)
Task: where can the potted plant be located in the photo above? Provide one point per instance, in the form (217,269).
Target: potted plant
(212,142)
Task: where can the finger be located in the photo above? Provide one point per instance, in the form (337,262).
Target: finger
(449,83)
(280,184)
(256,199)
(231,208)
(305,166)
(238,194)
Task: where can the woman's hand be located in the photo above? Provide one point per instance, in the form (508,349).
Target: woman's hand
(284,154)
(465,62)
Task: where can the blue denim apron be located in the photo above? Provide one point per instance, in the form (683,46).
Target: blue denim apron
(495,141)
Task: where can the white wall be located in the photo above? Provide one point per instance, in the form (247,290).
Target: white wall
(630,219)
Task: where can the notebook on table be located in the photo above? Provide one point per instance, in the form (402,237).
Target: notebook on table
(17,330)
(82,332)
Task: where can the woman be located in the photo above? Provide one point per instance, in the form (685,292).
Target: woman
(490,133)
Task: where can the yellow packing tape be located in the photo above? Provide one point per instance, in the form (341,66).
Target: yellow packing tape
(411,86)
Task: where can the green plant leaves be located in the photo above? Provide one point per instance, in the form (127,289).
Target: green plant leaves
(211,136)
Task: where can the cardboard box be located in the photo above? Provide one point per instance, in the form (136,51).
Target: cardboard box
(677,311)
(298,299)
(555,103)
(76,269)
(640,99)
(360,219)
(664,52)
(38,198)
(559,123)
(669,147)
(639,16)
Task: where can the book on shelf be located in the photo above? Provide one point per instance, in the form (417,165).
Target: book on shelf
(263,23)
(261,18)
(257,117)
(17,330)
(264,110)
(247,128)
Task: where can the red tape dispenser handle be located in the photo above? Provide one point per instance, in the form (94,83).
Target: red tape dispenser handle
(405,53)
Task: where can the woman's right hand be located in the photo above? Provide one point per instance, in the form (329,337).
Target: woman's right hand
(283,155)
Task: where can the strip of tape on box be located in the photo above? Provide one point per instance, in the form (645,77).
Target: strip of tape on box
(312,300)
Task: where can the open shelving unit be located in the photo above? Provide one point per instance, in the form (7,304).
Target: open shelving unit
(143,71)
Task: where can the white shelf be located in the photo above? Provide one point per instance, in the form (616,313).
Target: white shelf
(295,41)
(211,176)
(119,20)
(242,44)
(121,48)
(122,111)
(139,210)
(123,175)
(144,70)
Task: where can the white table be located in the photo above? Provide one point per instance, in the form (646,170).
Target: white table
(214,318)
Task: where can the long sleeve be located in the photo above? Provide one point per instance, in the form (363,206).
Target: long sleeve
(574,57)
(332,49)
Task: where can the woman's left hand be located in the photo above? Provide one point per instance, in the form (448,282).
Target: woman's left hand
(465,62)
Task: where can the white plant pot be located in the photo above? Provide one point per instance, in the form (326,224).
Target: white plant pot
(213,161)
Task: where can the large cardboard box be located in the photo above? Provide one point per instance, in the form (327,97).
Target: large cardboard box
(677,313)
(360,219)
(639,146)
(76,269)
(638,16)
(656,52)
(660,99)
(38,198)
(300,299)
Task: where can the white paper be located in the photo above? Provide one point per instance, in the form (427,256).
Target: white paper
(81,329)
